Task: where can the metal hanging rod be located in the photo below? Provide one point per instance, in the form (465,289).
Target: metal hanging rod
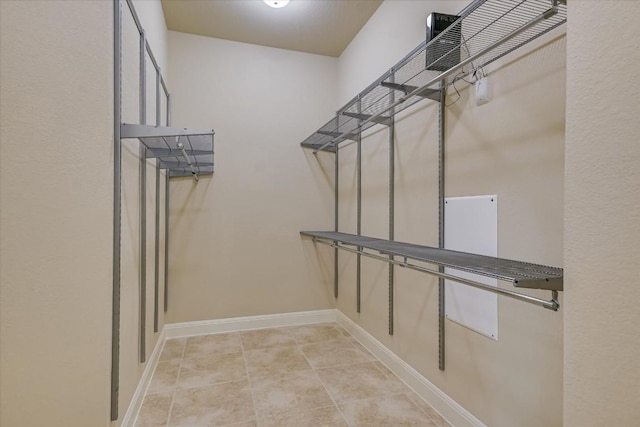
(548,304)
(187,159)
(441,77)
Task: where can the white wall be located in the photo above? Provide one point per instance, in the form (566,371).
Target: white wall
(235,248)
(602,216)
(56,194)
(512,147)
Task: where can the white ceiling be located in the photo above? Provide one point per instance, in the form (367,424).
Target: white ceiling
(323,27)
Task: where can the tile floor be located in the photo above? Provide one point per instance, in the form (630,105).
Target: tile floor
(300,376)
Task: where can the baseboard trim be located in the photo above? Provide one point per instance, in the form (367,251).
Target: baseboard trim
(448,408)
(234,324)
(130,416)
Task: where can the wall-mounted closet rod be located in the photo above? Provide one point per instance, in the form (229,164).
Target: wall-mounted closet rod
(551,304)
(441,77)
(136,19)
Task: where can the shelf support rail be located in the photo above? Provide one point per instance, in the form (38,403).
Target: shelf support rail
(391,129)
(548,304)
(136,19)
(336,217)
(117,220)
(441,193)
(359,211)
(145,48)
(441,77)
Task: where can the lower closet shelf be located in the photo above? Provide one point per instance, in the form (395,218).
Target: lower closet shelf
(520,274)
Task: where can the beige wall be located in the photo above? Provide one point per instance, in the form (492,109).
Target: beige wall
(234,243)
(602,216)
(56,194)
(395,29)
(512,147)
(57,186)
(152,19)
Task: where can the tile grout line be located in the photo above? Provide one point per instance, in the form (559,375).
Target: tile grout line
(209,384)
(326,390)
(391,376)
(344,335)
(214,354)
(297,344)
(175,386)
(404,392)
(294,345)
(246,369)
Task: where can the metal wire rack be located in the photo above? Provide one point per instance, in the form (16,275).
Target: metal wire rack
(520,274)
(486,30)
(182,152)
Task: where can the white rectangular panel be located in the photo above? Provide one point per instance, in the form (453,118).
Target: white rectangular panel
(471,225)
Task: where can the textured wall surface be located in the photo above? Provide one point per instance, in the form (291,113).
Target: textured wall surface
(602,216)
(152,20)
(56,194)
(235,244)
(513,147)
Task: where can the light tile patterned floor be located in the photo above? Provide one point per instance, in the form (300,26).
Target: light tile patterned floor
(300,376)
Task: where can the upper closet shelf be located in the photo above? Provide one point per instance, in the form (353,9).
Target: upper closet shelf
(520,274)
(183,152)
(485,31)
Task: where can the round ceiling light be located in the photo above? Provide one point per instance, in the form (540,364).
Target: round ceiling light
(277,3)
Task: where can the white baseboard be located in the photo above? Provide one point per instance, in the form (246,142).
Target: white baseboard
(448,408)
(188,329)
(234,324)
(129,418)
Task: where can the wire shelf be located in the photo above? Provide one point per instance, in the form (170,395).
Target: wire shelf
(520,274)
(163,143)
(485,31)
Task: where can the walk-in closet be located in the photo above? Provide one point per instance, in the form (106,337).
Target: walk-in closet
(305,213)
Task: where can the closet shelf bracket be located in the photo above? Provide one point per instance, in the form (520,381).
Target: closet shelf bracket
(433,94)
(486,31)
(383,120)
(182,152)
